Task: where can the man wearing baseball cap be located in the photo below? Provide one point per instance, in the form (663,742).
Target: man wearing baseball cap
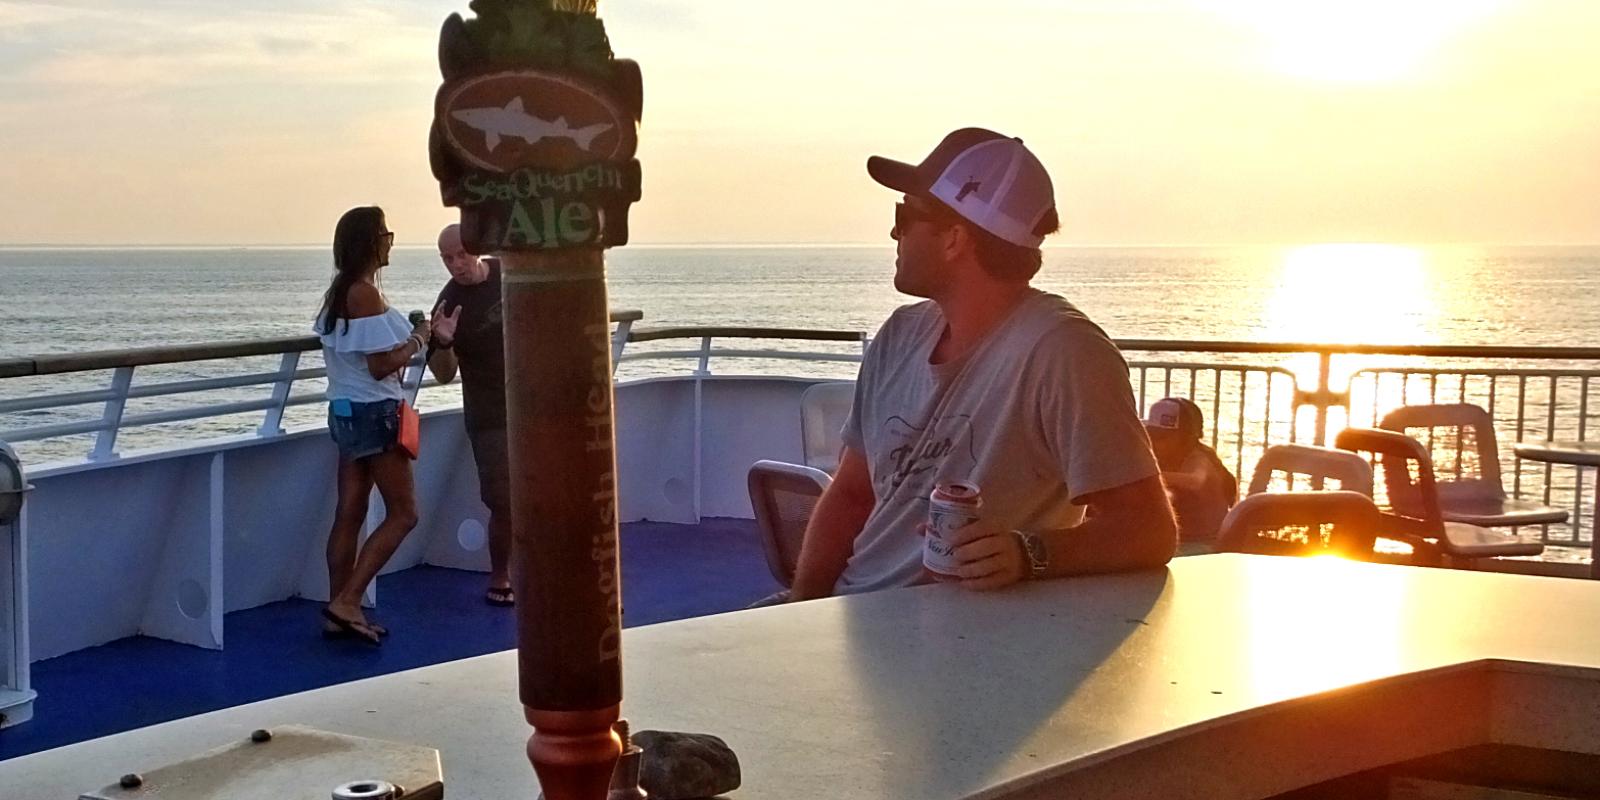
(987,381)
(1199,485)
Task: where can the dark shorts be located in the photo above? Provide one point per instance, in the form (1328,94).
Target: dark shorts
(370,429)
(490,452)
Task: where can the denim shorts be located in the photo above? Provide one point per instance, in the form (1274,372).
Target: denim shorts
(370,429)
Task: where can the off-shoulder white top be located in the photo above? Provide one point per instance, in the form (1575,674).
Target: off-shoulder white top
(345,350)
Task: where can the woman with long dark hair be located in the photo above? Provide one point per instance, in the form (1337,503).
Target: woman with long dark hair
(366,344)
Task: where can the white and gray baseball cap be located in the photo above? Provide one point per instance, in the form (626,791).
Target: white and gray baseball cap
(1178,414)
(991,180)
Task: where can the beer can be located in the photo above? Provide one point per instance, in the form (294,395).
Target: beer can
(951,506)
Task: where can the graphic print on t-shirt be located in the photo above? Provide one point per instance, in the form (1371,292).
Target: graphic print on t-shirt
(489,322)
(479,320)
(920,454)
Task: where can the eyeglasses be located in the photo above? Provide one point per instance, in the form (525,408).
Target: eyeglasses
(387,236)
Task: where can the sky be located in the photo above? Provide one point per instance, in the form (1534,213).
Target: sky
(1162,121)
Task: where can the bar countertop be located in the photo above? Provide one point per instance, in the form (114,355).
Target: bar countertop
(1221,676)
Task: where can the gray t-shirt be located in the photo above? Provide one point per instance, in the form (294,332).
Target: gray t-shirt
(1038,414)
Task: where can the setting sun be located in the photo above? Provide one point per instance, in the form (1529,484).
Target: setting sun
(1354,41)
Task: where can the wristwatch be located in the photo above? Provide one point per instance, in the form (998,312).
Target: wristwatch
(1038,555)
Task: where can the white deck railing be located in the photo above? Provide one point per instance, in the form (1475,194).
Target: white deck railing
(849,350)
(1256,394)
(121,364)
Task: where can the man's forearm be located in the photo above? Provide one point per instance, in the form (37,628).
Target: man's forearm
(1182,481)
(443,365)
(830,538)
(1131,537)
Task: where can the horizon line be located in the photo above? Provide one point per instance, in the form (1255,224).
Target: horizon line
(25,246)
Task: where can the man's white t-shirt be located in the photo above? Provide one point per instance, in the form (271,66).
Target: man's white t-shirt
(1038,415)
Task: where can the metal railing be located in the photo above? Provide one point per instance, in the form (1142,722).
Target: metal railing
(114,397)
(1256,394)
(1531,393)
(1525,404)
(1247,408)
(703,354)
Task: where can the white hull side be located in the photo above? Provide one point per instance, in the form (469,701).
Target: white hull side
(165,544)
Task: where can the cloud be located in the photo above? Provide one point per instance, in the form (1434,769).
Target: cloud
(195,44)
(16,16)
(235,120)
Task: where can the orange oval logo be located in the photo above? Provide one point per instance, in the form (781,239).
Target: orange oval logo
(508,120)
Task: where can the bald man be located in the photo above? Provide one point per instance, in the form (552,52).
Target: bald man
(467,336)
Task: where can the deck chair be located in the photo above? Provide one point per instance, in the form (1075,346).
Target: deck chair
(1466,461)
(1341,523)
(1323,464)
(823,410)
(1410,502)
(782,496)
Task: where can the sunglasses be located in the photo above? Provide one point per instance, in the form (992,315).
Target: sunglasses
(387,236)
(905,214)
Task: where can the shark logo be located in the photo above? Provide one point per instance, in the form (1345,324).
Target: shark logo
(560,121)
(513,120)
(969,187)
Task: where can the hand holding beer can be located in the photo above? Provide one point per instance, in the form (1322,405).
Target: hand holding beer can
(951,506)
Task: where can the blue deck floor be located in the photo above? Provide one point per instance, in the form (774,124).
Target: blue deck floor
(435,615)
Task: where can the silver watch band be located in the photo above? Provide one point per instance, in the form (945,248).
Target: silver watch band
(1033,548)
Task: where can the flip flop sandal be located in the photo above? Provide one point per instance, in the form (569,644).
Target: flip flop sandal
(352,628)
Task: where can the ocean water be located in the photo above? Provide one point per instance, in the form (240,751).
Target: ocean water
(60,300)
(54,300)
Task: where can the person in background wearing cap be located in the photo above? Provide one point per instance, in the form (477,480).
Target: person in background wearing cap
(988,381)
(466,335)
(1200,486)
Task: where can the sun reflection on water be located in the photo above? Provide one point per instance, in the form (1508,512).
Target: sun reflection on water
(1350,294)
(1353,294)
